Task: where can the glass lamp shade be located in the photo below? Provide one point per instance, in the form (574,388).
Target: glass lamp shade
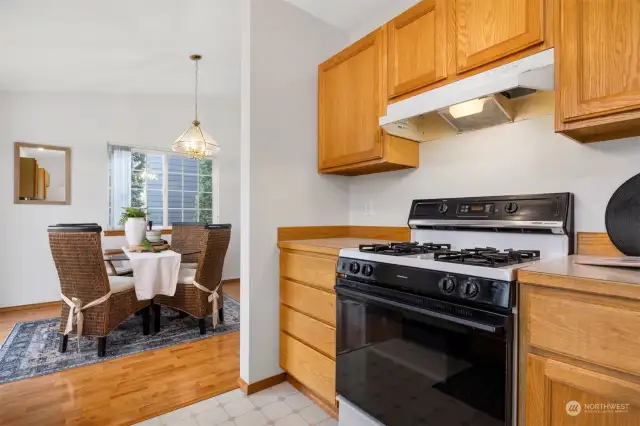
(195,143)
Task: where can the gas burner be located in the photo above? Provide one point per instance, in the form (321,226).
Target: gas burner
(488,256)
(404,249)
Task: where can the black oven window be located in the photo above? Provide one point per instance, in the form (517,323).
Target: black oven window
(409,369)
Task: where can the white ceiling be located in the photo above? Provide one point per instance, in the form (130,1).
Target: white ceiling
(119,46)
(351,15)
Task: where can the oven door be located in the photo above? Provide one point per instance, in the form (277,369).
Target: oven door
(424,362)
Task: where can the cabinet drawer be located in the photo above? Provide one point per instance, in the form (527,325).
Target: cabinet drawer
(312,332)
(316,303)
(309,367)
(315,270)
(595,329)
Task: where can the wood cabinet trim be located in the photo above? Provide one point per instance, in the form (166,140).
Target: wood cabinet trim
(580,332)
(532,35)
(570,66)
(376,40)
(440,48)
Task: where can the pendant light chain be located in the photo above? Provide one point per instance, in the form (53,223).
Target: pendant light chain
(196,61)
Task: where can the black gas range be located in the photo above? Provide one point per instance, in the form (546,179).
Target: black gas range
(426,330)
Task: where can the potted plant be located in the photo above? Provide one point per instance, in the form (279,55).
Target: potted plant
(135,224)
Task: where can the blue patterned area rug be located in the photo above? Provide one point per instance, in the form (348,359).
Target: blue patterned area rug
(31,349)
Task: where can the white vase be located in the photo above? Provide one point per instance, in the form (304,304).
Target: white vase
(134,229)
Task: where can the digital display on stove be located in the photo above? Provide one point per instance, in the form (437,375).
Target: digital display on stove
(475,208)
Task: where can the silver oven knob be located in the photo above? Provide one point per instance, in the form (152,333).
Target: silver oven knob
(447,284)
(354,267)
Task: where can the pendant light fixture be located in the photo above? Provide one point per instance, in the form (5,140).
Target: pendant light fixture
(193,142)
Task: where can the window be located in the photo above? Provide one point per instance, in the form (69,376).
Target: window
(171,187)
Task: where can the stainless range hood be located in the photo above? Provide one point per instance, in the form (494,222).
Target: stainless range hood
(486,99)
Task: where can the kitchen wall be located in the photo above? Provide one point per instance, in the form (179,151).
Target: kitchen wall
(518,158)
(86,122)
(382,16)
(282,47)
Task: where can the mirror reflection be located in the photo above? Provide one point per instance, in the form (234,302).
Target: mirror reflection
(42,174)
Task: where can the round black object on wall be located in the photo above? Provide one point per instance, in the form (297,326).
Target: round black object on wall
(622,217)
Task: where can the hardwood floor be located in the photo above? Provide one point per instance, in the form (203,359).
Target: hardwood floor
(126,390)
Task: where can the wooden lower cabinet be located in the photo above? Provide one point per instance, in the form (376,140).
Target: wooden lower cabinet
(308,321)
(561,393)
(579,359)
(311,368)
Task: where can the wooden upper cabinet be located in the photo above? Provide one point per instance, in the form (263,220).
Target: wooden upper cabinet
(488,30)
(352,97)
(417,52)
(598,58)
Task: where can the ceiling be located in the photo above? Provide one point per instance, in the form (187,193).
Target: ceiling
(349,15)
(143,46)
(120,46)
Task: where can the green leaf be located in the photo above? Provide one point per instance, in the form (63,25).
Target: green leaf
(131,212)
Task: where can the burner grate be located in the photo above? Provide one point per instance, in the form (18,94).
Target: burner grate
(488,256)
(404,248)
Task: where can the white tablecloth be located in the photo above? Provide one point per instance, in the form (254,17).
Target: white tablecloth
(154,273)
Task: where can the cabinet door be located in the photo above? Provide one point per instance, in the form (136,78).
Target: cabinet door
(562,394)
(598,58)
(351,99)
(492,29)
(418,47)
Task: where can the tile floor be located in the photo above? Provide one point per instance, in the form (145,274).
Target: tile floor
(281,405)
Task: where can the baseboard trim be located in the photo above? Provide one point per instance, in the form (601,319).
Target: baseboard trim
(331,410)
(30,306)
(261,384)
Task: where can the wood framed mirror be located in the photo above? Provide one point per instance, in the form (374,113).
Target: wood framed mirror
(42,174)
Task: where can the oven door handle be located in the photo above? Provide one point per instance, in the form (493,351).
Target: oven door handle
(434,314)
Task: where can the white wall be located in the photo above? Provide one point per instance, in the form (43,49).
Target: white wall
(519,158)
(282,48)
(85,122)
(382,16)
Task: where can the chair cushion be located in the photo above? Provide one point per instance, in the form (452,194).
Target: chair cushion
(119,284)
(186,276)
(189,265)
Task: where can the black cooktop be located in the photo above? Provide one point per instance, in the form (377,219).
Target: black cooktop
(406,248)
(487,256)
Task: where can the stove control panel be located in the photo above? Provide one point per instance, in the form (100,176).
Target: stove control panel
(546,213)
(447,286)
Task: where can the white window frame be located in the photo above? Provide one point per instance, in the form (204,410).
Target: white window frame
(215,183)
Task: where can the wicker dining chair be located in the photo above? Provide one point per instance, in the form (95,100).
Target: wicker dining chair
(185,239)
(199,302)
(100,302)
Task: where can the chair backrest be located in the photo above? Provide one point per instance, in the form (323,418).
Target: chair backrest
(77,254)
(214,245)
(186,238)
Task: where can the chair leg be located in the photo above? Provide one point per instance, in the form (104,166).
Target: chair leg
(146,320)
(102,346)
(203,326)
(64,338)
(156,317)
(221,312)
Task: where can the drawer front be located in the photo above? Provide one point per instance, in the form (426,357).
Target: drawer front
(309,367)
(595,329)
(316,303)
(314,270)
(312,332)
